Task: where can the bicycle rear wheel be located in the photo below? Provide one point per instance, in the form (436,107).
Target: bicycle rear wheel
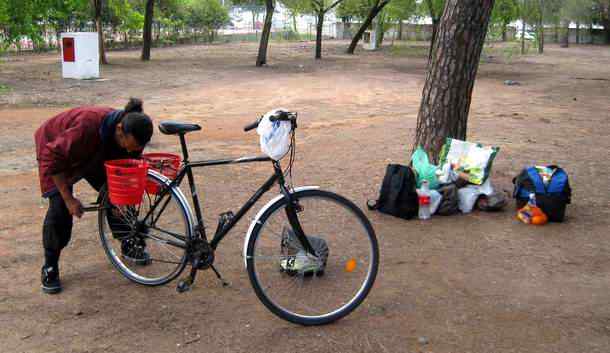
(152,251)
(298,287)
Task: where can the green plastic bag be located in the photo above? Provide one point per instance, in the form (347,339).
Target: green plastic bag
(425,170)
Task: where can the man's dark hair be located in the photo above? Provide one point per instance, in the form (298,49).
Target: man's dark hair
(136,123)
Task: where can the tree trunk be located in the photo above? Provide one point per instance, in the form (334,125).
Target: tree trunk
(294,24)
(148,19)
(379,33)
(366,24)
(577,32)
(435,23)
(262,48)
(606,24)
(557,32)
(540,37)
(125,40)
(451,73)
(58,39)
(399,30)
(158,34)
(504,37)
(97,4)
(565,35)
(319,28)
(523,24)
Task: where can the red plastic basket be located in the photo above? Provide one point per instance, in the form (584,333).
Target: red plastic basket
(126,181)
(167,164)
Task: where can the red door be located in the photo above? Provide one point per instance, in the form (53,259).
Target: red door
(68,49)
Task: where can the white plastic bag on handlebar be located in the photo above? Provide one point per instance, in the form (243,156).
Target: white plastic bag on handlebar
(274,135)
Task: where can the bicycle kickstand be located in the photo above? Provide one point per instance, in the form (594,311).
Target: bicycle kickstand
(224,283)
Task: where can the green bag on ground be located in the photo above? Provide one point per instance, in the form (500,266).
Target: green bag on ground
(425,170)
(472,158)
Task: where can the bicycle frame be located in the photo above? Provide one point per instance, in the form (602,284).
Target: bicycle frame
(187,170)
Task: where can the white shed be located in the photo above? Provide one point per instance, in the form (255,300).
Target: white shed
(80,55)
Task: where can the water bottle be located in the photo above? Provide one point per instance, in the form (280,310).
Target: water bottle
(532,200)
(424,200)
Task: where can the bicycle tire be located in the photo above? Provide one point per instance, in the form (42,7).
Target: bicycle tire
(337,313)
(108,239)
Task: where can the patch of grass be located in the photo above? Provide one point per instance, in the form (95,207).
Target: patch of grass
(4,88)
(409,49)
(504,51)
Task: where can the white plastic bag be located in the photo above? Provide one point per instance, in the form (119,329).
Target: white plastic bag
(467,196)
(274,135)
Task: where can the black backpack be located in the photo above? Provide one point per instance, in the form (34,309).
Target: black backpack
(551,198)
(397,196)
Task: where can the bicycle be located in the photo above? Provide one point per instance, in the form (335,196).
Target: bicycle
(305,267)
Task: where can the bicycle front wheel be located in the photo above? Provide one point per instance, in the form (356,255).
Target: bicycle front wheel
(147,247)
(299,287)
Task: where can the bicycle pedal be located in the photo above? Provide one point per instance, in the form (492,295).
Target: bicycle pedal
(183,286)
(226,217)
(223,219)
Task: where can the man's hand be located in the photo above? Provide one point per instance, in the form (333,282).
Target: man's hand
(73,204)
(75,207)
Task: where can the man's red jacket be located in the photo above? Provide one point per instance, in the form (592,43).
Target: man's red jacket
(72,143)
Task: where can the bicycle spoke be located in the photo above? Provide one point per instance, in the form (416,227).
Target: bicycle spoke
(164,261)
(172,234)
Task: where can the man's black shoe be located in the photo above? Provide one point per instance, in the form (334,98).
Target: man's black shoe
(50,280)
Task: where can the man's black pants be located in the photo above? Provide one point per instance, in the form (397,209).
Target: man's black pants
(57,226)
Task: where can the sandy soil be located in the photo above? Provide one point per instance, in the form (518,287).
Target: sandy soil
(469,283)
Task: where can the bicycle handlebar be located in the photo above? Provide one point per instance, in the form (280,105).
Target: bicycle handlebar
(251,126)
(282,116)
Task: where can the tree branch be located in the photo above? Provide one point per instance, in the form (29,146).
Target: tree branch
(431,9)
(333,5)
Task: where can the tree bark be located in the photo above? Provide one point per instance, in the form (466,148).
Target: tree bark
(541,27)
(451,74)
(97,5)
(158,33)
(435,21)
(557,32)
(399,30)
(606,24)
(523,24)
(565,35)
(577,32)
(540,37)
(264,43)
(379,33)
(375,10)
(319,28)
(148,19)
(504,38)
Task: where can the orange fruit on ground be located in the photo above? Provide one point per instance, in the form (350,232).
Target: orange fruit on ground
(350,265)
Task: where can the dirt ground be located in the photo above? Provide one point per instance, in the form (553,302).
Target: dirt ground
(468,283)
